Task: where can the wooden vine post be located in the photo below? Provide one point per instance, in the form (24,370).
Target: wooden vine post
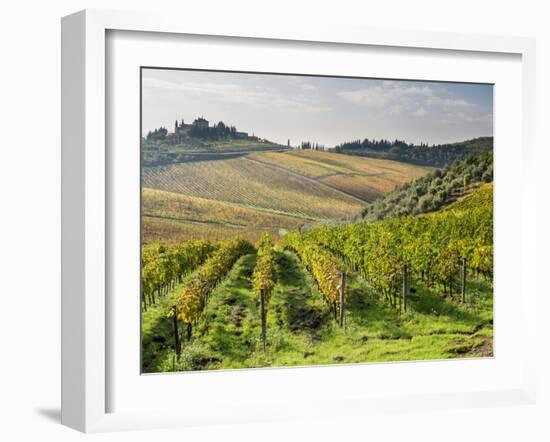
(263,317)
(405,286)
(342,300)
(177,344)
(463,280)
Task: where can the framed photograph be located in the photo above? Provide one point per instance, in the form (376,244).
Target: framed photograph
(304,247)
(281,223)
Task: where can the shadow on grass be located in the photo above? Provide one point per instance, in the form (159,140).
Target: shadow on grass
(367,310)
(157,338)
(215,336)
(430,303)
(295,306)
(228,324)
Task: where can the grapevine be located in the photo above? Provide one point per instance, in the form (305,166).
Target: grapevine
(190,303)
(263,278)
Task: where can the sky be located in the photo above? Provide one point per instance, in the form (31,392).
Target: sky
(324,110)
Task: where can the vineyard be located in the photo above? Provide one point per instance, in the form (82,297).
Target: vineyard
(163,266)
(407,288)
(438,248)
(364,178)
(265,188)
(176,218)
(274,192)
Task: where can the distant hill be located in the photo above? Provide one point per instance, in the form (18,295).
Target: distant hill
(439,155)
(434,190)
(199,141)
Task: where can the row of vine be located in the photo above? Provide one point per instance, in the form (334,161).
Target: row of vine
(163,266)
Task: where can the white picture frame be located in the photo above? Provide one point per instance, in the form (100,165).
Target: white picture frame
(86,210)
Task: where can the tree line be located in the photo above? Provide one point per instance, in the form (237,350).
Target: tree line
(217,132)
(439,155)
(157,134)
(432,191)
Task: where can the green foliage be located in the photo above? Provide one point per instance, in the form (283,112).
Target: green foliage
(300,332)
(162,265)
(481,198)
(192,141)
(157,135)
(194,357)
(322,265)
(192,300)
(435,155)
(431,245)
(219,131)
(432,191)
(263,275)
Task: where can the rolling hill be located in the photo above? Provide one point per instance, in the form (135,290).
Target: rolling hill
(434,190)
(272,191)
(190,142)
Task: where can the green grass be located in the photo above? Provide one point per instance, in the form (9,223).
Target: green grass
(156,334)
(302,332)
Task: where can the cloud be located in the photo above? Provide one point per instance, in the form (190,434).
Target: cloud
(234,94)
(396,109)
(308,87)
(450,102)
(397,98)
(420,112)
(331,109)
(386,94)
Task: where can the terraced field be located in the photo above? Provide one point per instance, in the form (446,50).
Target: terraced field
(170,231)
(271,190)
(252,184)
(169,216)
(364,178)
(317,164)
(179,207)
